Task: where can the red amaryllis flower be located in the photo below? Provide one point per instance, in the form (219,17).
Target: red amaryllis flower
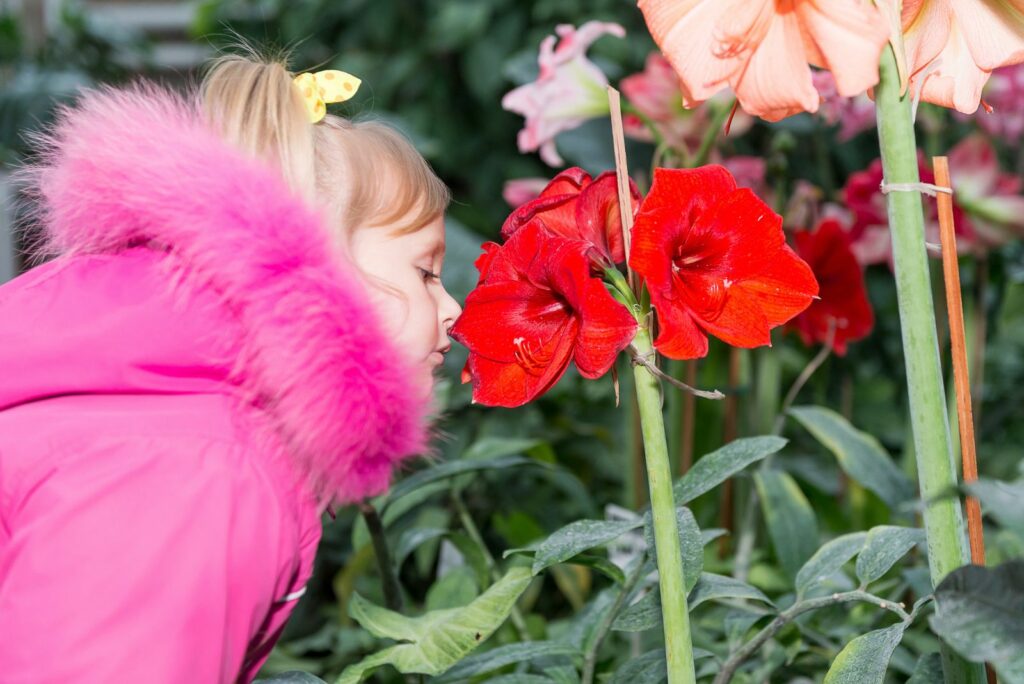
(843,297)
(537,308)
(716,262)
(576,206)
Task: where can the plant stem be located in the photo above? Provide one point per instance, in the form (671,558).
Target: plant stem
(794,611)
(590,659)
(943,519)
(678,647)
(392,591)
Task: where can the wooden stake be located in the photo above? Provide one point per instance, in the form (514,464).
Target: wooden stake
(955,310)
(622,176)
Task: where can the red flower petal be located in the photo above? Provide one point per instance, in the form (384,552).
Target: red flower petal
(568,182)
(844,297)
(715,261)
(598,218)
(577,208)
(537,308)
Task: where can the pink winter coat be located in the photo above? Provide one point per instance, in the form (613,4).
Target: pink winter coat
(182,392)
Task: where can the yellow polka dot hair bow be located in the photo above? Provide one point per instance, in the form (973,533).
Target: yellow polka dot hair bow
(322,87)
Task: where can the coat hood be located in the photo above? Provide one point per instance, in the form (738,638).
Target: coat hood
(138,167)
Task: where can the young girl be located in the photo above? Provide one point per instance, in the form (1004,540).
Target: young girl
(238,330)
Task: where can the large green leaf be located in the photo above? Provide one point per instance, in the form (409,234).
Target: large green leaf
(643,615)
(291,677)
(646,613)
(711,586)
(885,545)
(482,663)
(577,537)
(828,559)
(789,517)
(928,670)
(436,640)
(450,469)
(721,464)
(412,538)
(1004,501)
(650,668)
(690,542)
(980,613)
(865,659)
(858,453)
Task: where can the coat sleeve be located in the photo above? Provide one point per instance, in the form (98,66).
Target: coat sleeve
(136,560)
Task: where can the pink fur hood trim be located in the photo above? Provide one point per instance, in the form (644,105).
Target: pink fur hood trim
(138,166)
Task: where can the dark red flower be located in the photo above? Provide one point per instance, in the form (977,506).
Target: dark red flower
(843,297)
(863,195)
(575,206)
(537,308)
(716,262)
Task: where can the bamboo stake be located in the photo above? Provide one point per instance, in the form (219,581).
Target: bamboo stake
(957,337)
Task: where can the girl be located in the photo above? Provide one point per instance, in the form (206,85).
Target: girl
(238,331)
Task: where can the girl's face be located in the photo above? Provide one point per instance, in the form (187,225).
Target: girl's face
(405,275)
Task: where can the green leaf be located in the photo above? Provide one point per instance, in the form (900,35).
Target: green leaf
(690,541)
(650,668)
(438,639)
(858,453)
(482,663)
(928,670)
(577,537)
(411,540)
(885,545)
(457,588)
(980,613)
(563,674)
(829,559)
(643,615)
(721,464)
(292,677)
(523,678)
(1004,501)
(495,447)
(865,659)
(451,469)
(789,517)
(602,565)
(711,586)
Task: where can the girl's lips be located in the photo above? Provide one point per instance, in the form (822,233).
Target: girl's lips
(437,358)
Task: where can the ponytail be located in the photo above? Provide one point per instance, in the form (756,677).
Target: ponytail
(251,101)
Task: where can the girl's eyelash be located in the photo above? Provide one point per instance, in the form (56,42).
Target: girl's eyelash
(429,275)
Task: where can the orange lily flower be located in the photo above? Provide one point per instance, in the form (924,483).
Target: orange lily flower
(763,49)
(952,46)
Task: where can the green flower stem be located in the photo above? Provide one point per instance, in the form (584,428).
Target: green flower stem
(748,649)
(676,619)
(943,519)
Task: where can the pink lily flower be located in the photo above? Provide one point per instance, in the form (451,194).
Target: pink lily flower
(519,191)
(952,46)
(990,198)
(569,90)
(853,114)
(657,95)
(1004,97)
(763,49)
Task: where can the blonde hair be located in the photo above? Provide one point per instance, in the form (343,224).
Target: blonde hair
(361,173)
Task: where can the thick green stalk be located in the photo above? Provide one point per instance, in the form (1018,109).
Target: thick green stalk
(943,519)
(676,619)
